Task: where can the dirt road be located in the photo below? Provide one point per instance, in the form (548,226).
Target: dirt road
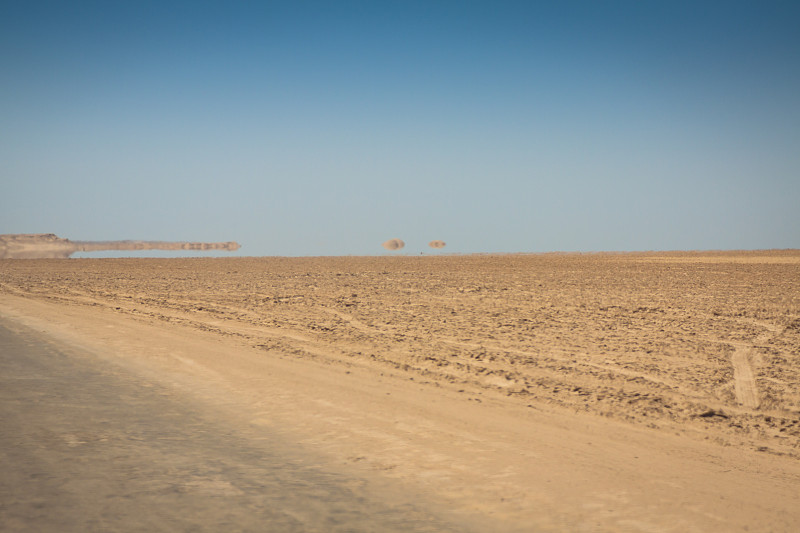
(87,447)
(134,424)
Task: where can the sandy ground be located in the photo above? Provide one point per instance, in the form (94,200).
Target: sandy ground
(605,392)
(88,446)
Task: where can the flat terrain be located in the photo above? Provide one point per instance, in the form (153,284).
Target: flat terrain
(87,447)
(652,392)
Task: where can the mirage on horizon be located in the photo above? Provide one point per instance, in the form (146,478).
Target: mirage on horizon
(50,246)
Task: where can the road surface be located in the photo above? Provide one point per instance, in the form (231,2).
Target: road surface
(87,447)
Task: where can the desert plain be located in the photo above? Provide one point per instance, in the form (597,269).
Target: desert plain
(651,391)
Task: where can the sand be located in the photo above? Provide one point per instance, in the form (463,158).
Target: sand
(652,392)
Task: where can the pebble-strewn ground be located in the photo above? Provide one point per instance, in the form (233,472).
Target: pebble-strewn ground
(664,339)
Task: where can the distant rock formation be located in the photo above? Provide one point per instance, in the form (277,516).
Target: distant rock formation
(49,246)
(437,244)
(393,244)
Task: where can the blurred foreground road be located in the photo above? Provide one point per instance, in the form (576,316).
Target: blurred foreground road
(87,447)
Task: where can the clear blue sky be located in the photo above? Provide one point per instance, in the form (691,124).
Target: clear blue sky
(326,128)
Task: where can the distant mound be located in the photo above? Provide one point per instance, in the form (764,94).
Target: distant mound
(393,244)
(437,244)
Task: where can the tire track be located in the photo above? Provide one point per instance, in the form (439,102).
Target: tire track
(743,378)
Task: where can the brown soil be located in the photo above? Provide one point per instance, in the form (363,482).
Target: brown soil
(659,339)
(702,345)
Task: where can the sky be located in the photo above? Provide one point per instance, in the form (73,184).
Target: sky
(326,128)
